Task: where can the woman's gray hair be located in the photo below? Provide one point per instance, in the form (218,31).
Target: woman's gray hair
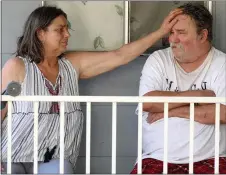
(29,45)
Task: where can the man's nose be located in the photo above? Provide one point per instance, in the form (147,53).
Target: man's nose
(174,38)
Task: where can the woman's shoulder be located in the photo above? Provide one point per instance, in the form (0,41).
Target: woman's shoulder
(13,70)
(15,61)
(72,59)
(15,64)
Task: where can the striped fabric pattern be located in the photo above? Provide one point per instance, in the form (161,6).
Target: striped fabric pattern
(49,123)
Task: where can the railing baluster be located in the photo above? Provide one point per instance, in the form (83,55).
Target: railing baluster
(217,138)
(114,133)
(35,165)
(103,99)
(191,146)
(9,144)
(165,164)
(88,136)
(62,137)
(139,159)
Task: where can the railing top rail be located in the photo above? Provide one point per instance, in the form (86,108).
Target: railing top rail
(119,99)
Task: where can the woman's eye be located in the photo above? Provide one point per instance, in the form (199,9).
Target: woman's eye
(59,30)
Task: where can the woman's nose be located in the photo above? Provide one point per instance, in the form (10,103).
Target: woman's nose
(67,34)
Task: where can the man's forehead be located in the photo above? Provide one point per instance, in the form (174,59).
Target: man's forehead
(183,21)
(183,17)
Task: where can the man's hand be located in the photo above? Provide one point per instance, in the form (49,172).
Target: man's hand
(169,21)
(153,117)
(207,93)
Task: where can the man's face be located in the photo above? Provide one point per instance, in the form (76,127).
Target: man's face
(184,39)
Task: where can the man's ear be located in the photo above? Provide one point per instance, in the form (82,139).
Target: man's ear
(203,36)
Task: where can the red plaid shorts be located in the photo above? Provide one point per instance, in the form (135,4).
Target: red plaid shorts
(153,166)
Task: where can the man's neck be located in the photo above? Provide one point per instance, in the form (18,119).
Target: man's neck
(190,67)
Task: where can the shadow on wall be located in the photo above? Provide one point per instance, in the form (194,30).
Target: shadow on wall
(123,81)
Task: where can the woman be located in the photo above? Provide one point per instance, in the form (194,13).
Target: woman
(42,68)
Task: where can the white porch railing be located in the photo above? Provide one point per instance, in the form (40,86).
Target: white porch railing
(114,100)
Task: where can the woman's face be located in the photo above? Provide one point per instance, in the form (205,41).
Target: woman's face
(55,38)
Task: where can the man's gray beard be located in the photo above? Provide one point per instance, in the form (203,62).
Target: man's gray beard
(177,46)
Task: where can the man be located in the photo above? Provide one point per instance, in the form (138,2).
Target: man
(190,67)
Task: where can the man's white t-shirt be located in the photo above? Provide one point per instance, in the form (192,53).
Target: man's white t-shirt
(161,72)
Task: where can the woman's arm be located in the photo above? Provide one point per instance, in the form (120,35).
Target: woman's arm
(90,64)
(13,70)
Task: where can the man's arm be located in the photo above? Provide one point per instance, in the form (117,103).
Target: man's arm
(90,64)
(204,114)
(159,107)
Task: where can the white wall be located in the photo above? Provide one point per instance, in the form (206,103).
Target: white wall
(14,15)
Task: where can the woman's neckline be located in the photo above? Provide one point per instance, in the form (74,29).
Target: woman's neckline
(58,75)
